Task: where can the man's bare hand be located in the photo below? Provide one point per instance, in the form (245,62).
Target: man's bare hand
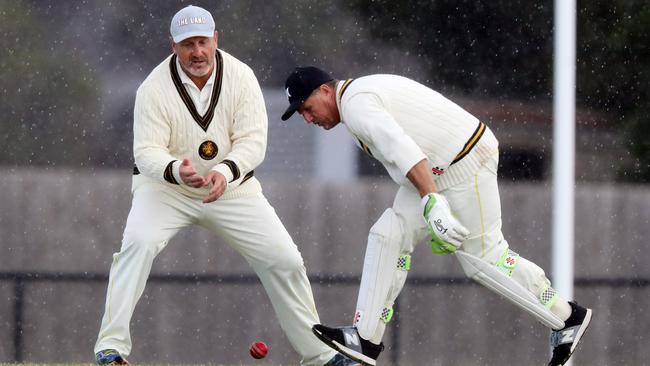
(189,175)
(219,184)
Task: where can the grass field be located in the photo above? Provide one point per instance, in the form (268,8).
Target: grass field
(139,364)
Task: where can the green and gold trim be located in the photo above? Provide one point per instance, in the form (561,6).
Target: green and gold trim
(364,147)
(469,145)
(203,121)
(344,87)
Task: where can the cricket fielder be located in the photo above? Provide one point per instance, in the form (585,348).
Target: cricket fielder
(445,161)
(200,130)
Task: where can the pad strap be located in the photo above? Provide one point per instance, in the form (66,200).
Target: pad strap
(404,262)
(386,314)
(508,262)
(549,296)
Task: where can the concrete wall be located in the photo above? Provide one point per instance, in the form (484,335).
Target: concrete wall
(71,221)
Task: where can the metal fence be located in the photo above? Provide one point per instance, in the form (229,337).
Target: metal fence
(58,237)
(22,279)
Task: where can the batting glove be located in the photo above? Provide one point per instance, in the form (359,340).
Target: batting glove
(447,233)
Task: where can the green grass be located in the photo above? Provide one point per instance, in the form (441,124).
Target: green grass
(139,364)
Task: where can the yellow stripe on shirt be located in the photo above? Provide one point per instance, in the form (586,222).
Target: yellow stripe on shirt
(344,86)
(471,142)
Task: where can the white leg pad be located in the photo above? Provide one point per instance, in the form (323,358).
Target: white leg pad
(489,276)
(377,280)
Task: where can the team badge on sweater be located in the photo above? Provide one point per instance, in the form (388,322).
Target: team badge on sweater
(208,150)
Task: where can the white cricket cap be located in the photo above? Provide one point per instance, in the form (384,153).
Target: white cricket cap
(191,21)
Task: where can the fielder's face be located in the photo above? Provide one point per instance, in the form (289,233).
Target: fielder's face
(196,55)
(320,108)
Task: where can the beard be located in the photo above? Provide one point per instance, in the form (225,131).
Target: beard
(200,71)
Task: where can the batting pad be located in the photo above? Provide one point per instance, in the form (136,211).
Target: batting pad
(491,277)
(379,270)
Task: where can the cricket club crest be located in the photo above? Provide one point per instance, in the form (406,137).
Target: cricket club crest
(208,150)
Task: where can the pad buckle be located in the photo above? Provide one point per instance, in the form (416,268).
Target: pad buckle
(404,262)
(386,314)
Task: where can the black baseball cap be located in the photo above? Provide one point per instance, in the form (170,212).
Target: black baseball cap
(300,84)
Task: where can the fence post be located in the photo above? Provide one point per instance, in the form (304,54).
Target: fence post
(19,299)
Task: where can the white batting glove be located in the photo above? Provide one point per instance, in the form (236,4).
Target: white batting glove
(447,233)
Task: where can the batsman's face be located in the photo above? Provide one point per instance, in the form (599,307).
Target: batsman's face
(196,55)
(320,108)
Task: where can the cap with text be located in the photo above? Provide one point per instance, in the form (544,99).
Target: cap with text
(300,84)
(191,21)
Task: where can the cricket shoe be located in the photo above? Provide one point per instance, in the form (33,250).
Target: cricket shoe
(340,360)
(110,357)
(564,341)
(347,341)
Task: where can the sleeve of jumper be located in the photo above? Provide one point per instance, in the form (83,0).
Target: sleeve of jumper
(151,134)
(369,120)
(249,131)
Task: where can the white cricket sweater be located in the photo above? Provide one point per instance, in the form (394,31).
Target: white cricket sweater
(400,122)
(230,137)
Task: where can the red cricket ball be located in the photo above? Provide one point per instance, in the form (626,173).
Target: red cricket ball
(259,350)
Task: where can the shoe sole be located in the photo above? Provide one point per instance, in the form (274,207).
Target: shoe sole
(120,361)
(354,355)
(581,332)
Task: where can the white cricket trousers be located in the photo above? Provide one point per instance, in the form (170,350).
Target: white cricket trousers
(476,204)
(249,224)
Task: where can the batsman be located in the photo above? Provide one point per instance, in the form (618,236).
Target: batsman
(445,162)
